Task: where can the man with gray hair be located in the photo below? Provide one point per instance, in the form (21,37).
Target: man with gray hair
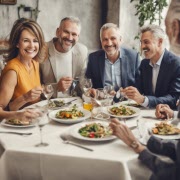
(159,78)
(113,65)
(66,57)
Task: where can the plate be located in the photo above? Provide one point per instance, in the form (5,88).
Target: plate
(137,110)
(74,132)
(168,136)
(87,115)
(17,126)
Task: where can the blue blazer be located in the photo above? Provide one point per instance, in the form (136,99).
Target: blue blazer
(168,81)
(129,64)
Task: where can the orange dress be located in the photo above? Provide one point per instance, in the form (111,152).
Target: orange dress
(26,80)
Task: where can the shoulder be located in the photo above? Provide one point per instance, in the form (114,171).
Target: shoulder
(172,58)
(128,51)
(97,54)
(80,48)
(13,64)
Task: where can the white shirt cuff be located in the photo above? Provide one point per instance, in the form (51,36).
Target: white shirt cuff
(146,102)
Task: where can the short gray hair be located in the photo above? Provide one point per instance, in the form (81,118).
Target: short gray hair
(157,31)
(72,19)
(108,26)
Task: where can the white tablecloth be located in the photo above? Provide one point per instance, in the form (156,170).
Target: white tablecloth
(21,160)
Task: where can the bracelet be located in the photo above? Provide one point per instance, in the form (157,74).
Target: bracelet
(134,145)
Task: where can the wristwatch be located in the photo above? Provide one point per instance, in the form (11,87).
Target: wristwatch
(134,145)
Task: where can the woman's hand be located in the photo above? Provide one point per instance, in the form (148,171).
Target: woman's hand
(124,133)
(27,114)
(33,94)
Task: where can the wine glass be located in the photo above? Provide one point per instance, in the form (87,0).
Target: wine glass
(42,120)
(48,91)
(110,90)
(86,85)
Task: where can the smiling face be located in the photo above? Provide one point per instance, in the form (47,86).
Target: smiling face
(111,41)
(151,46)
(68,35)
(28,45)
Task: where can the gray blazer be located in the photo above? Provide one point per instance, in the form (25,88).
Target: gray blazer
(47,68)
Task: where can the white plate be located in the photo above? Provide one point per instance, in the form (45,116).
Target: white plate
(176,136)
(78,102)
(17,126)
(87,115)
(74,131)
(137,110)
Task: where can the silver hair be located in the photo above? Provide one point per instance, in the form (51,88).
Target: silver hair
(157,31)
(72,19)
(108,26)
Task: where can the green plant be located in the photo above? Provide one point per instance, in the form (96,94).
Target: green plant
(149,10)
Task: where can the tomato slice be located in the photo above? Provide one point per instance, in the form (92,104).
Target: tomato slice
(91,135)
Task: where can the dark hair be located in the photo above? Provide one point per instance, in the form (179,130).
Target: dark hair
(34,28)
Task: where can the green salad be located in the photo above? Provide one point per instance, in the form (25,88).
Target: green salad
(95,130)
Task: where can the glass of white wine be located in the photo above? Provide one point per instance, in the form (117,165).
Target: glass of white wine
(48,91)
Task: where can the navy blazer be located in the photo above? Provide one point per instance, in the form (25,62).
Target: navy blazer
(161,169)
(129,64)
(168,82)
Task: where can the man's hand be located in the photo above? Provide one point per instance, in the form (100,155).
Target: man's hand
(64,83)
(163,111)
(132,93)
(33,94)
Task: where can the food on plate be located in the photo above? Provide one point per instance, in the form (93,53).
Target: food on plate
(121,111)
(73,113)
(56,103)
(163,128)
(18,122)
(133,104)
(95,130)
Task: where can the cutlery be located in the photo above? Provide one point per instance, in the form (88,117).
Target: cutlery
(68,103)
(18,133)
(66,141)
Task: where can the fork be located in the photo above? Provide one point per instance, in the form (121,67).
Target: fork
(18,133)
(68,103)
(66,141)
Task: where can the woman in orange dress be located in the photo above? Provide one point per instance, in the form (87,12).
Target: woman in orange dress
(20,80)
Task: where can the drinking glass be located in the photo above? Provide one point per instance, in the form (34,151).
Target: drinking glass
(88,106)
(110,92)
(48,91)
(86,85)
(42,120)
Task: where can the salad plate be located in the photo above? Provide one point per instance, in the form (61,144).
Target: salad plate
(53,116)
(127,112)
(74,132)
(169,136)
(17,126)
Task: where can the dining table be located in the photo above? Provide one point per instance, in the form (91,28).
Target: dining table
(20,159)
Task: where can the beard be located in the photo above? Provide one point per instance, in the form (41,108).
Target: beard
(66,47)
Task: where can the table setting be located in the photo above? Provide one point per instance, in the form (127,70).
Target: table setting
(107,156)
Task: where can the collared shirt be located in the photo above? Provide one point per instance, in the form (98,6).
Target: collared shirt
(112,73)
(155,73)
